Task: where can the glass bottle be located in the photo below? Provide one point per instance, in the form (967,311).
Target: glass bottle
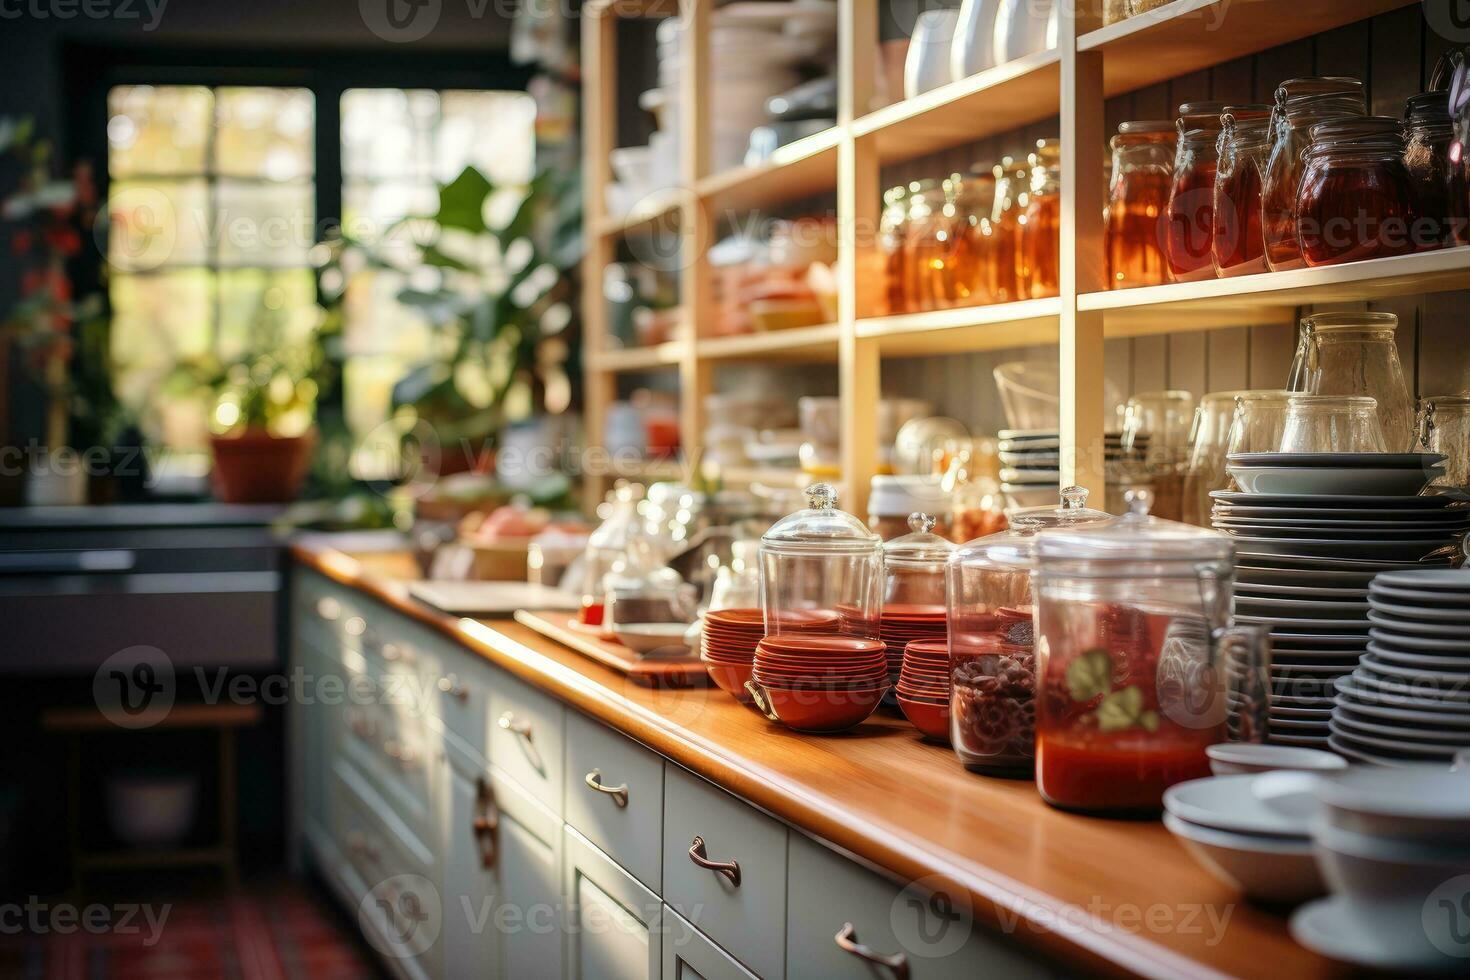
(925,247)
(974,238)
(1357,354)
(1301,103)
(1042,229)
(1143,173)
(1237,247)
(1355,201)
(892,230)
(1011,195)
(608,546)
(1440,189)
(1191,218)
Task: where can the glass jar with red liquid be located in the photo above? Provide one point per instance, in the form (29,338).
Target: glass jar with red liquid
(1138,196)
(1191,208)
(992,654)
(1356,200)
(1301,103)
(1041,234)
(1138,668)
(1440,188)
(1005,283)
(892,231)
(1237,247)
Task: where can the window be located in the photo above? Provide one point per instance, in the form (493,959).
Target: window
(213,213)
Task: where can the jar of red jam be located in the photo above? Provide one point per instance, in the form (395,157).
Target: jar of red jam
(1356,200)
(1191,209)
(1041,240)
(1301,103)
(1237,247)
(992,654)
(1138,667)
(1138,196)
(1440,189)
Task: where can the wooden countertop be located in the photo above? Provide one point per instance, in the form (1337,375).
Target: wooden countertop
(1113,896)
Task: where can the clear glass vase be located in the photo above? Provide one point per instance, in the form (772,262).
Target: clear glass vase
(1356,354)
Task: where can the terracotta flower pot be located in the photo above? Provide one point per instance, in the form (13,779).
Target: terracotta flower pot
(254,467)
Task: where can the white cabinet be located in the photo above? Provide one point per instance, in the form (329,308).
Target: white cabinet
(690,955)
(613,924)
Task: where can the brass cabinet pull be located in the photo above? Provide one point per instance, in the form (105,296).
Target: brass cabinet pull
(400,754)
(730,869)
(354,626)
(390,652)
(486,823)
(509,723)
(450,685)
(619,794)
(847,941)
(363,727)
(328,608)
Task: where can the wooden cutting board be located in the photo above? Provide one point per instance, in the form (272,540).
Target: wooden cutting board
(683,672)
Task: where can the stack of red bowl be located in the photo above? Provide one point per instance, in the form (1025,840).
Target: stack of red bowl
(819,683)
(904,622)
(923,687)
(727,646)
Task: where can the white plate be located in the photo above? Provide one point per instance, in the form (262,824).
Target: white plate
(1301,714)
(1352,754)
(1460,738)
(1327,528)
(1319,641)
(1422,751)
(1418,598)
(1410,641)
(1333,481)
(1294,530)
(1398,624)
(1333,563)
(1318,502)
(1374,461)
(1262,868)
(1384,714)
(1450,579)
(1448,681)
(1428,661)
(1318,593)
(1348,514)
(1230,803)
(1439,615)
(1300,726)
(1285,612)
(1391,548)
(1328,926)
(1373,701)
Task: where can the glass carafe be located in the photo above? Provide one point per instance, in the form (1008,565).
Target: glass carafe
(1138,666)
(1143,172)
(1356,354)
(1301,103)
(1191,211)
(821,571)
(992,654)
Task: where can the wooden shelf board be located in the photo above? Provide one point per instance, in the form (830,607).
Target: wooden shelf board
(1273,297)
(775,476)
(801,169)
(639,358)
(993,101)
(658,207)
(817,343)
(632,8)
(1188,35)
(648,469)
(974,328)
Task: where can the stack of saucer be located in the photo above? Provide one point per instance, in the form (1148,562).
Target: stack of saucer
(1409,698)
(903,623)
(728,642)
(818,683)
(923,687)
(1303,565)
(1031,462)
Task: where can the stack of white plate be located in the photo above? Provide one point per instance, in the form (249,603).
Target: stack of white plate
(1335,473)
(1303,567)
(1409,698)
(1031,462)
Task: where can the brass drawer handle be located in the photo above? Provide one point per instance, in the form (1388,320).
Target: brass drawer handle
(390,652)
(328,608)
(449,684)
(619,794)
(364,728)
(486,823)
(730,869)
(847,941)
(400,754)
(509,723)
(354,626)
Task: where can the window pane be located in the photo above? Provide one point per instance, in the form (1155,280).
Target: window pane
(376,323)
(369,211)
(491,131)
(264,224)
(265,132)
(388,133)
(157,223)
(262,309)
(367,384)
(158,320)
(158,129)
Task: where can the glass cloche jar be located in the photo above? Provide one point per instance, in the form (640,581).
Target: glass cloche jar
(1137,663)
(991,651)
(821,570)
(913,565)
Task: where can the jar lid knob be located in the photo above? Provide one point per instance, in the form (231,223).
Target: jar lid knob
(1026,526)
(821,496)
(1074,498)
(1139,502)
(922,523)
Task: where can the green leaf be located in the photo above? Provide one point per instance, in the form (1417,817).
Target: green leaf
(1089,675)
(1149,720)
(432,256)
(1121,710)
(462,201)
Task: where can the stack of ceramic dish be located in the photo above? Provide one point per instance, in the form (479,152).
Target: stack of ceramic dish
(1409,699)
(923,687)
(1251,831)
(1303,565)
(728,642)
(818,683)
(1382,474)
(1031,462)
(903,623)
(1393,846)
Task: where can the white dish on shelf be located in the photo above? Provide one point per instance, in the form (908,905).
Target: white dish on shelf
(1369,461)
(1395,748)
(1446,579)
(1362,696)
(1263,590)
(1332,501)
(1335,481)
(1414,627)
(1264,868)
(1418,642)
(1240,758)
(1354,725)
(1393,548)
(1428,661)
(1330,927)
(1312,609)
(1231,803)
(1432,614)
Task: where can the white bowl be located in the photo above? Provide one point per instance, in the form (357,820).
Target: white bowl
(1231,803)
(1421,803)
(648,637)
(1265,868)
(1352,481)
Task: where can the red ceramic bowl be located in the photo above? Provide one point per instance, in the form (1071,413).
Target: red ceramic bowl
(727,646)
(821,659)
(819,643)
(801,711)
(913,610)
(730,678)
(922,689)
(928,649)
(745,618)
(920,672)
(929,718)
(814,682)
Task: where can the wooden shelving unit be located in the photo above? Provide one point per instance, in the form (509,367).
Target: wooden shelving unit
(1091,63)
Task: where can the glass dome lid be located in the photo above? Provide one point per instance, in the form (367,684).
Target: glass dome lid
(820,527)
(1073,510)
(1134,537)
(921,547)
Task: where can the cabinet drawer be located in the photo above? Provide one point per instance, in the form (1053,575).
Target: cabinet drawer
(613,924)
(742,918)
(459,696)
(526,738)
(690,955)
(830,895)
(615,796)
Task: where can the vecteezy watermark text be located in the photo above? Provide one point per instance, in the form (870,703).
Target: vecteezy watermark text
(38,918)
(150,12)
